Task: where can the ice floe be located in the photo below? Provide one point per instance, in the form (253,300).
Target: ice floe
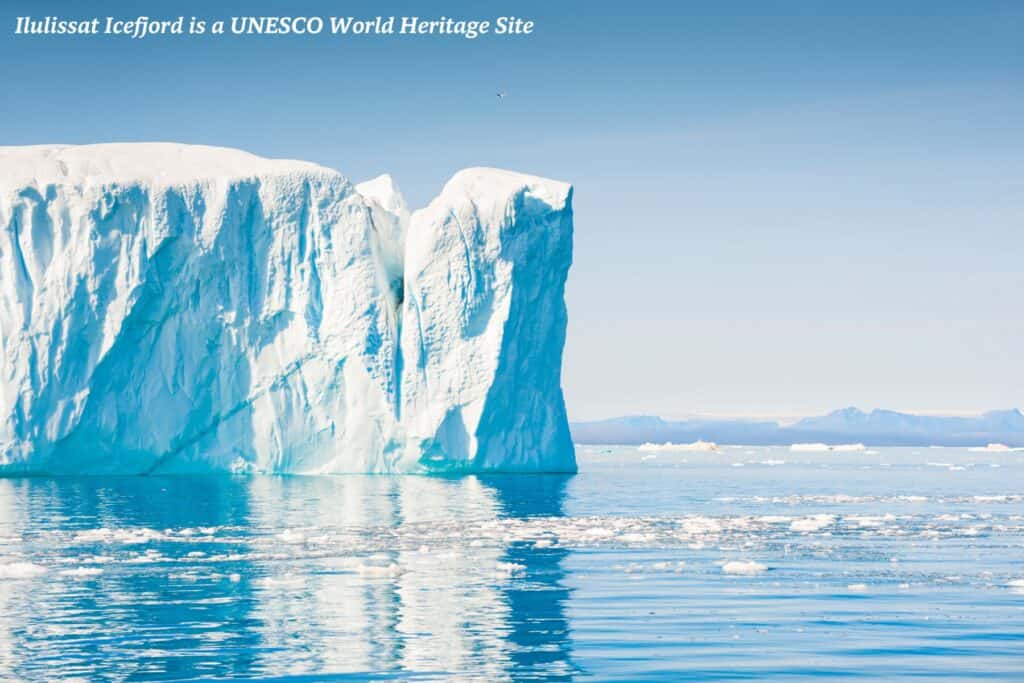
(743,567)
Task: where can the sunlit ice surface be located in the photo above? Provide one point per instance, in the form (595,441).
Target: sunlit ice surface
(746,563)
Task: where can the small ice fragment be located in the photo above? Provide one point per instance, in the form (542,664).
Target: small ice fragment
(812,523)
(510,569)
(747,568)
(377,571)
(994,448)
(599,532)
(810,447)
(290,536)
(20,570)
(82,572)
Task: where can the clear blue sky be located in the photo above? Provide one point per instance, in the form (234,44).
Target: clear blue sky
(782,207)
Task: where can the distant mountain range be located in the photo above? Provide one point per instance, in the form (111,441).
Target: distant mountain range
(849,425)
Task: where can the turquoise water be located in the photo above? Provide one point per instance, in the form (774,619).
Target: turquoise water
(752,563)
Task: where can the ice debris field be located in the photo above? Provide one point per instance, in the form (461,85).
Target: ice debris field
(170,308)
(797,565)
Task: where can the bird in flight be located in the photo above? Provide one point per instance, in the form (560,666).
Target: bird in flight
(501,95)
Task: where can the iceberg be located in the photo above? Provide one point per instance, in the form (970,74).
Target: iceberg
(172,308)
(668,446)
(994,448)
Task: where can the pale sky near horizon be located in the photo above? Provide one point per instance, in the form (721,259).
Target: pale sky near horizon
(781,207)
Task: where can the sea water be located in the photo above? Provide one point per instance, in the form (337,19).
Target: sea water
(747,563)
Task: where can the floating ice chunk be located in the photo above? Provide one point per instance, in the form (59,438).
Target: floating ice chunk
(134,536)
(379,571)
(81,572)
(869,521)
(599,532)
(810,447)
(291,536)
(857,587)
(669,566)
(510,570)
(994,448)
(774,519)
(242,466)
(812,523)
(743,567)
(849,448)
(20,570)
(669,446)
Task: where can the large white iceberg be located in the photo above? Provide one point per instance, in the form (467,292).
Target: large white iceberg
(173,308)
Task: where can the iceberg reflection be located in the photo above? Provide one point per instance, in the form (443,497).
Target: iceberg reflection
(170,578)
(391,580)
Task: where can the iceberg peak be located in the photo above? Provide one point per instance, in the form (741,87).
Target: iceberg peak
(487,182)
(385,192)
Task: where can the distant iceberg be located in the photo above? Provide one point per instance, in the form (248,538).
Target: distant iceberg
(818,447)
(669,446)
(839,447)
(994,448)
(174,308)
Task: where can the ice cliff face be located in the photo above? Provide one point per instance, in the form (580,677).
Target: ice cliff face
(169,308)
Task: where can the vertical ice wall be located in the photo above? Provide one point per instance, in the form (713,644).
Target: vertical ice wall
(484,325)
(173,308)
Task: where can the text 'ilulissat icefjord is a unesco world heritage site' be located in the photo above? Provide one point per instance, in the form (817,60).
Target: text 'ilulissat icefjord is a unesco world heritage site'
(143,26)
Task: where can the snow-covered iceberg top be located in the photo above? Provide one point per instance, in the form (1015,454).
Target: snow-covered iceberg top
(174,308)
(149,163)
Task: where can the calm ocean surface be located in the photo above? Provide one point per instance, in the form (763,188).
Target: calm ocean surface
(754,563)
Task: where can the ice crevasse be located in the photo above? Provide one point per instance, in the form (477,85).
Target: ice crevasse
(169,308)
